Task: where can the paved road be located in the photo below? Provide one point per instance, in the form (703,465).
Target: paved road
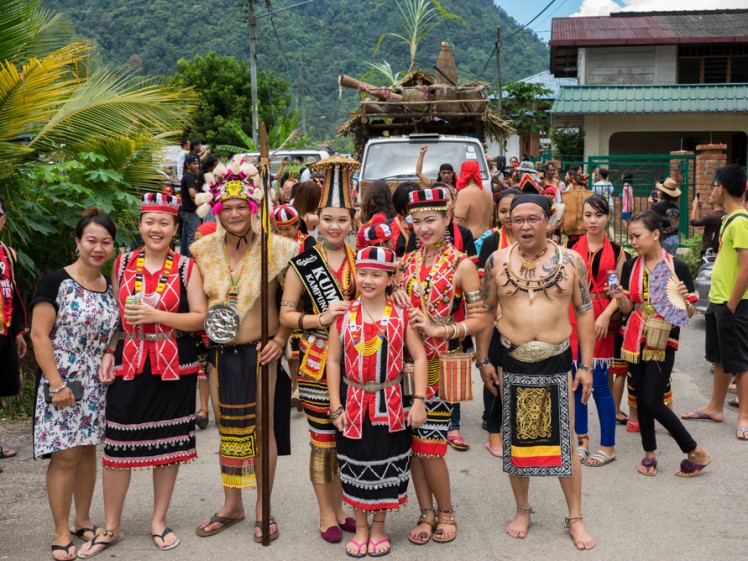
(632,517)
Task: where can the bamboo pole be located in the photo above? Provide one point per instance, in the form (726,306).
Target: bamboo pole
(264,330)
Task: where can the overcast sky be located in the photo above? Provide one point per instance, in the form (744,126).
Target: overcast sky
(524,10)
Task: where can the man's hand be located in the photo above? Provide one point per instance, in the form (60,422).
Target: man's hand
(490,378)
(269,352)
(583,378)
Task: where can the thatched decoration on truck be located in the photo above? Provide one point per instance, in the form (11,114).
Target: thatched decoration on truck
(424,102)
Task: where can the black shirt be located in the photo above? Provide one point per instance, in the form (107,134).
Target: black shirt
(670,214)
(712,223)
(189,181)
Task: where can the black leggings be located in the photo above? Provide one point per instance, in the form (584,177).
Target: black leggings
(649,378)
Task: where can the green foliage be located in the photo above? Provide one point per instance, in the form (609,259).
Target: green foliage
(568,144)
(418,19)
(284,134)
(329,37)
(223,85)
(523,106)
(693,256)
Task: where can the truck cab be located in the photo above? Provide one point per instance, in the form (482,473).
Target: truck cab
(393,158)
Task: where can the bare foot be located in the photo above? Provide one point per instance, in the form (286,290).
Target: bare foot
(518,527)
(580,536)
(494,440)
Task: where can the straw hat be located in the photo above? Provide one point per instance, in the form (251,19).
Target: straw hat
(669,187)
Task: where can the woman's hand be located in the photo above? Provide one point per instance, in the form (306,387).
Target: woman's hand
(141,314)
(683,289)
(417,414)
(341,422)
(401,298)
(106,370)
(63,398)
(601,326)
(334,309)
(21,345)
(421,322)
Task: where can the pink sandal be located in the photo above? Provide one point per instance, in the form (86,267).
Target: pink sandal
(458,443)
(358,555)
(374,544)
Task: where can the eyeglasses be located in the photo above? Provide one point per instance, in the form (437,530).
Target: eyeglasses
(533,220)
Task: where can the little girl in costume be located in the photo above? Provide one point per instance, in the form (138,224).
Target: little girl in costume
(373,440)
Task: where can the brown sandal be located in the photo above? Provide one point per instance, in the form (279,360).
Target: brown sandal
(445,517)
(424,519)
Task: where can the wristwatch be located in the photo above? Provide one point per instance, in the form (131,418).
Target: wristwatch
(583,366)
(482,363)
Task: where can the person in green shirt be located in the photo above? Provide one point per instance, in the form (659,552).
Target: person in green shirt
(727,315)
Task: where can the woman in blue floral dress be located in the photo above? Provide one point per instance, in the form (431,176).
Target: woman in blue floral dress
(74,317)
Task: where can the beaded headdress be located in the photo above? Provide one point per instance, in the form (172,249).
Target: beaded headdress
(337,189)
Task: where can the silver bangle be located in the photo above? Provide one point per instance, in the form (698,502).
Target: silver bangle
(472,297)
(58,390)
(482,363)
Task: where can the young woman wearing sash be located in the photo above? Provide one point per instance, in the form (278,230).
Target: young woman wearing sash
(318,287)
(151,366)
(601,256)
(500,238)
(650,365)
(437,277)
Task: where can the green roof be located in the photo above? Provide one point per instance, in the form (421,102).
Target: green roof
(608,100)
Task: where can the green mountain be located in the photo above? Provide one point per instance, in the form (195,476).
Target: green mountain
(327,37)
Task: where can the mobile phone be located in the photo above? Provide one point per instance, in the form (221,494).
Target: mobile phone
(698,197)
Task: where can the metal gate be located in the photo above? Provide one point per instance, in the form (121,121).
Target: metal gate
(647,169)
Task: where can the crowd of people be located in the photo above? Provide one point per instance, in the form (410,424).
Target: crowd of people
(376,344)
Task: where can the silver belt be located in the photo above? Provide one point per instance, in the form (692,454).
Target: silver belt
(372,387)
(534,351)
(154,337)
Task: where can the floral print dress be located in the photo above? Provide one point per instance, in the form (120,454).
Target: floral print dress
(83,327)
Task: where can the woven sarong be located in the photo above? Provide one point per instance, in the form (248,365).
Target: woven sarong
(536,425)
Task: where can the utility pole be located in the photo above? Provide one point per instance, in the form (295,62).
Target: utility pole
(253,69)
(302,105)
(252,20)
(498,60)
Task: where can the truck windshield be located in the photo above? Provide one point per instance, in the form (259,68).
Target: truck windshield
(397,160)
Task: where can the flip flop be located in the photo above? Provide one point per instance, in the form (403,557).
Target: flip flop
(273,536)
(226,521)
(104,545)
(698,416)
(734,403)
(80,532)
(458,443)
(741,433)
(692,469)
(602,458)
(64,548)
(359,545)
(495,453)
(623,421)
(6,453)
(161,536)
(374,544)
(649,463)
(632,426)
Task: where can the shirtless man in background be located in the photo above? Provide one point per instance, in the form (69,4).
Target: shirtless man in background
(474,206)
(533,281)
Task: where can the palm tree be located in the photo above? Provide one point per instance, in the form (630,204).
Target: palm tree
(57,102)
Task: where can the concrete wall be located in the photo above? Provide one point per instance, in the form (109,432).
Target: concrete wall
(627,65)
(600,128)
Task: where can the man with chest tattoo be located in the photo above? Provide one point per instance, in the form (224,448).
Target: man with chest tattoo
(533,281)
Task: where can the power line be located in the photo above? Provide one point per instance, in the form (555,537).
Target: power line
(494,51)
(280,44)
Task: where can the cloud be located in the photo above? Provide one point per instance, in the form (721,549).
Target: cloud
(606,7)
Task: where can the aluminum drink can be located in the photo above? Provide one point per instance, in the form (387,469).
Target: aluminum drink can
(612,279)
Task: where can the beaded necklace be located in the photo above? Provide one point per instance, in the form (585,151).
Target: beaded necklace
(540,285)
(348,286)
(368,348)
(153,298)
(233,298)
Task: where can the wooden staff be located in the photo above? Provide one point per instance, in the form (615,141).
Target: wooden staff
(264,328)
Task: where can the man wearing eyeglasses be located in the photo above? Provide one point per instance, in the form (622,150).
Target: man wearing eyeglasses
(533,282)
